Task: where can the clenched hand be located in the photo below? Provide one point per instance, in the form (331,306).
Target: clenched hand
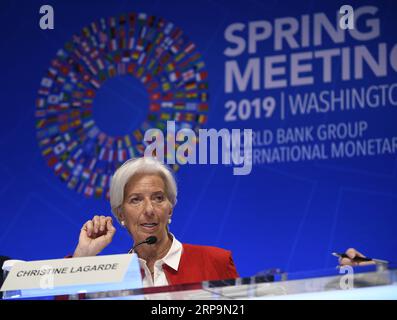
(95,235)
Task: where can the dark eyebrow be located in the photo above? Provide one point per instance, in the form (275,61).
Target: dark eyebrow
(158,192)
(133,194)
(139,194)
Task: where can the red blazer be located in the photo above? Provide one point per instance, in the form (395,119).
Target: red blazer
(201,263)
(198,263)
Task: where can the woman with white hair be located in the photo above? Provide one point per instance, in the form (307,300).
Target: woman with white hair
(143,193)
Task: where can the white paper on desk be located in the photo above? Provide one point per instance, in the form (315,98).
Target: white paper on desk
(69,276)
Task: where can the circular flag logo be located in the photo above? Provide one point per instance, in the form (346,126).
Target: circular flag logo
(151,49)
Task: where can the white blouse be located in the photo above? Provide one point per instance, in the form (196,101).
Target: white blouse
(172,259)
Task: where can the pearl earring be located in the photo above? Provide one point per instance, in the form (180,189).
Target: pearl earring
(123,223)
(169,221)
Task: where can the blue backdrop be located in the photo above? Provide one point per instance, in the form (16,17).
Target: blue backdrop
(287,213)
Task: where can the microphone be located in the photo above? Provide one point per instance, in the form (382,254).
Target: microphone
(148,240)
(151,240)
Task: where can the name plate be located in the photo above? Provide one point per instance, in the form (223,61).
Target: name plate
(74,275)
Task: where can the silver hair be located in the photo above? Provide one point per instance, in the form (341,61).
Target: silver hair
(133,167)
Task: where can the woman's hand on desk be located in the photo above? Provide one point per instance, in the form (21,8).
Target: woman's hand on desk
(351,258)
